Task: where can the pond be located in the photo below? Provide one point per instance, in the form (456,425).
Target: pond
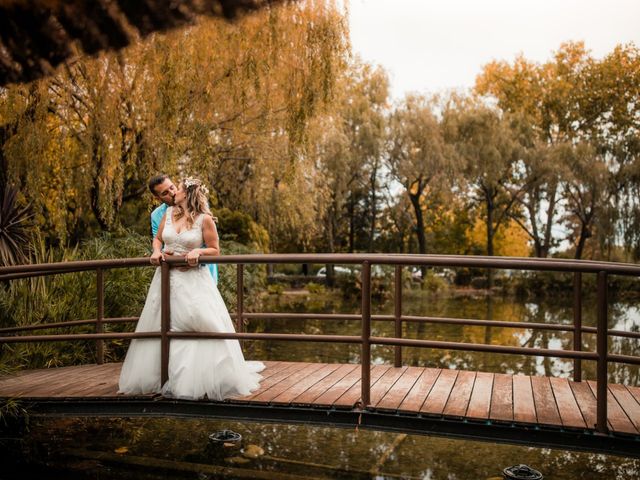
(470,304)
(162,448)
(167,448)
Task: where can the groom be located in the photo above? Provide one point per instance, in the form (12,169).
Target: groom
(164,190)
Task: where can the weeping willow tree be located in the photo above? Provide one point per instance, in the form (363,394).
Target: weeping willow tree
(348,148)
(228,102)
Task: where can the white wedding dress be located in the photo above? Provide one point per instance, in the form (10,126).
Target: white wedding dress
(197,368)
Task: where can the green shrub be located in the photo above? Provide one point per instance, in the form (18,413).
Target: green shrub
(275,289)
(72,296)
(351,286)
(239,227)
(316,288)
(13,412)
(434,283)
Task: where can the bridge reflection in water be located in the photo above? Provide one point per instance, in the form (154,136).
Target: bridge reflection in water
(591,415)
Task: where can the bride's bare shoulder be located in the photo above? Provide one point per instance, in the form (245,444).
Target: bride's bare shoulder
(208,220)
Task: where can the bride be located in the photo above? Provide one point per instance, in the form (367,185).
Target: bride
(197,368)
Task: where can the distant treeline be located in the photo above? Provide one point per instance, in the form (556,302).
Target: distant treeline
(306,152)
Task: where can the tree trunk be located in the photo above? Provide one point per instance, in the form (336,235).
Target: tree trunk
(373,209)
(490,235)
(422,242)
(537,248)
(553,199)
(584,234)
(352,226)
(330,277)
(534,234)
(3,162)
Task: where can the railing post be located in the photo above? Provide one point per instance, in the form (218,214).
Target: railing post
(240,297)
(398,314)
(165,323)
(100,314)
(577,325)
(366,334)
(601,425)
(240,300)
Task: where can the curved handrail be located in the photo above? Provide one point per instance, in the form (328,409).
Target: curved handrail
(511,263)
(365,340)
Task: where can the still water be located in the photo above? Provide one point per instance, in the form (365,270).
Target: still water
(623,315)
(163,448)
(168,448)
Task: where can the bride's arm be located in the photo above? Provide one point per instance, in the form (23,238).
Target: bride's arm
(210,234)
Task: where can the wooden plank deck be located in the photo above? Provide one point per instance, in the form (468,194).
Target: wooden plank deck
(447,394)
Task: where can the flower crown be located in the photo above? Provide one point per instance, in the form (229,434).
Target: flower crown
(194,182)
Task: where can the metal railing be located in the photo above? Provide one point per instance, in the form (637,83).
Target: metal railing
(601,269)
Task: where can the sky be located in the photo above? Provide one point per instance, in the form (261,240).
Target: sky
(428,46)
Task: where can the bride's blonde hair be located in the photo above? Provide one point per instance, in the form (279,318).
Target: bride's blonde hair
(197,200)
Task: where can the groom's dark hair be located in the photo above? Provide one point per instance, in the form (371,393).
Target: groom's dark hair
(155,181)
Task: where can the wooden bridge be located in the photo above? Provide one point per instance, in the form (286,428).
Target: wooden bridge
(534,410)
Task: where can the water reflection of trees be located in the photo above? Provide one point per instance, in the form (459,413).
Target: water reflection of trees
(347,452)
(622,316)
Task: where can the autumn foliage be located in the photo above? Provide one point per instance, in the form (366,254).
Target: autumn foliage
(305,150)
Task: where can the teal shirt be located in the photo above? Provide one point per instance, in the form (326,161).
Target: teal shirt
(156,219)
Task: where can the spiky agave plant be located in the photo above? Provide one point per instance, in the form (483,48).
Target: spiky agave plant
(15,223)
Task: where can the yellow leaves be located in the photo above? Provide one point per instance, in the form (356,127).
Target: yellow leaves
(513,241)
(510,239)
(205,99)
(121,450)
(571,90)
(492,74)
(515,86)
